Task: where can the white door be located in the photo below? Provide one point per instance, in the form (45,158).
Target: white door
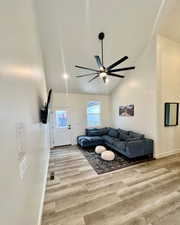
(61,127)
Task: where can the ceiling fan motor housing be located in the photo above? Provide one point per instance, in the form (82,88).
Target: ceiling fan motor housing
(101,36)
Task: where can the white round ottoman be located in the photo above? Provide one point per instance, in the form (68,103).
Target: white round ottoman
(99,149)
(108,155)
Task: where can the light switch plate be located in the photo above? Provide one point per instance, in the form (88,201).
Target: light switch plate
(21,152)
(23,167)
(20,140)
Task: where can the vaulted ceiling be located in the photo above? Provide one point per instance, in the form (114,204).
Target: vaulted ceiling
(170,20)
(69,29)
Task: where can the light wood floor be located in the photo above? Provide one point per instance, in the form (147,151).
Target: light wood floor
(144,194)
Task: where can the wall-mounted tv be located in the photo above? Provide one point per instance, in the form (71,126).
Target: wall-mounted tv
(44,110)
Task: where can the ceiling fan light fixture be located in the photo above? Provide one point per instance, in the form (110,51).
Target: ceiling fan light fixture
(103,74)
(106,80)
(65,76)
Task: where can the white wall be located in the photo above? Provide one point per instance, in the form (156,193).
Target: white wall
(22,91)
(168,56)
(78,106)
(138,88)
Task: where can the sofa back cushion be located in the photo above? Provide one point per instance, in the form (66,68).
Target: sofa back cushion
(125,137)
(89,130)
(96,131)
(136,135)
(113,132)
(121,131)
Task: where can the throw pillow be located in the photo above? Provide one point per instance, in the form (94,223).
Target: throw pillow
(132,139)
(136,135)
(121,131)
(113,132)
(96,131)
(90,131)
(123,137)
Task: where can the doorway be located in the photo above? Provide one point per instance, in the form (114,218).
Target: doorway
(61,127)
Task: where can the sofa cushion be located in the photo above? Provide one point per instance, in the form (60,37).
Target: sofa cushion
(108,139)
(121,145)
(103,131)
(121,131)
(113,132)
(96,131)
(94,138)
(136,135)
(123,137)
(89,130)
(133,139)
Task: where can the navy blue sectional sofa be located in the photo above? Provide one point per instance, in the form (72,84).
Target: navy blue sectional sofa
(128,143)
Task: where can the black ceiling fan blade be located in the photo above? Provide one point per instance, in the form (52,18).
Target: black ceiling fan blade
(116,75)
(123,69)
(98,60)
(117,63)
(85,75)
(93,78)
(85,68)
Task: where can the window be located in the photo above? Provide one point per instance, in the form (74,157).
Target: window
(61,119)
(94,114)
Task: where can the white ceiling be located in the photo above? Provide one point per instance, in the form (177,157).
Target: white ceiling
(170,24)
(69,30)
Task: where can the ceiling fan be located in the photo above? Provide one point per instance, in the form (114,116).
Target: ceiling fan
(103,72)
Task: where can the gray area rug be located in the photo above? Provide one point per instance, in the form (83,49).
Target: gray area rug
(101,166)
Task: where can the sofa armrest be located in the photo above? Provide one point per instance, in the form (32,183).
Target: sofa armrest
(86,141)
(80,136)
(140,147)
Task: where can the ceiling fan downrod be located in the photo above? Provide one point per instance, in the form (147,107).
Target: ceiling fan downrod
(101,37)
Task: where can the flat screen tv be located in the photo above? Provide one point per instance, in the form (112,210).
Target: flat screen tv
(44,110)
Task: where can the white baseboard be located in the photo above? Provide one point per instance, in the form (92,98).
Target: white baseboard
(168,153)
(43,193)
